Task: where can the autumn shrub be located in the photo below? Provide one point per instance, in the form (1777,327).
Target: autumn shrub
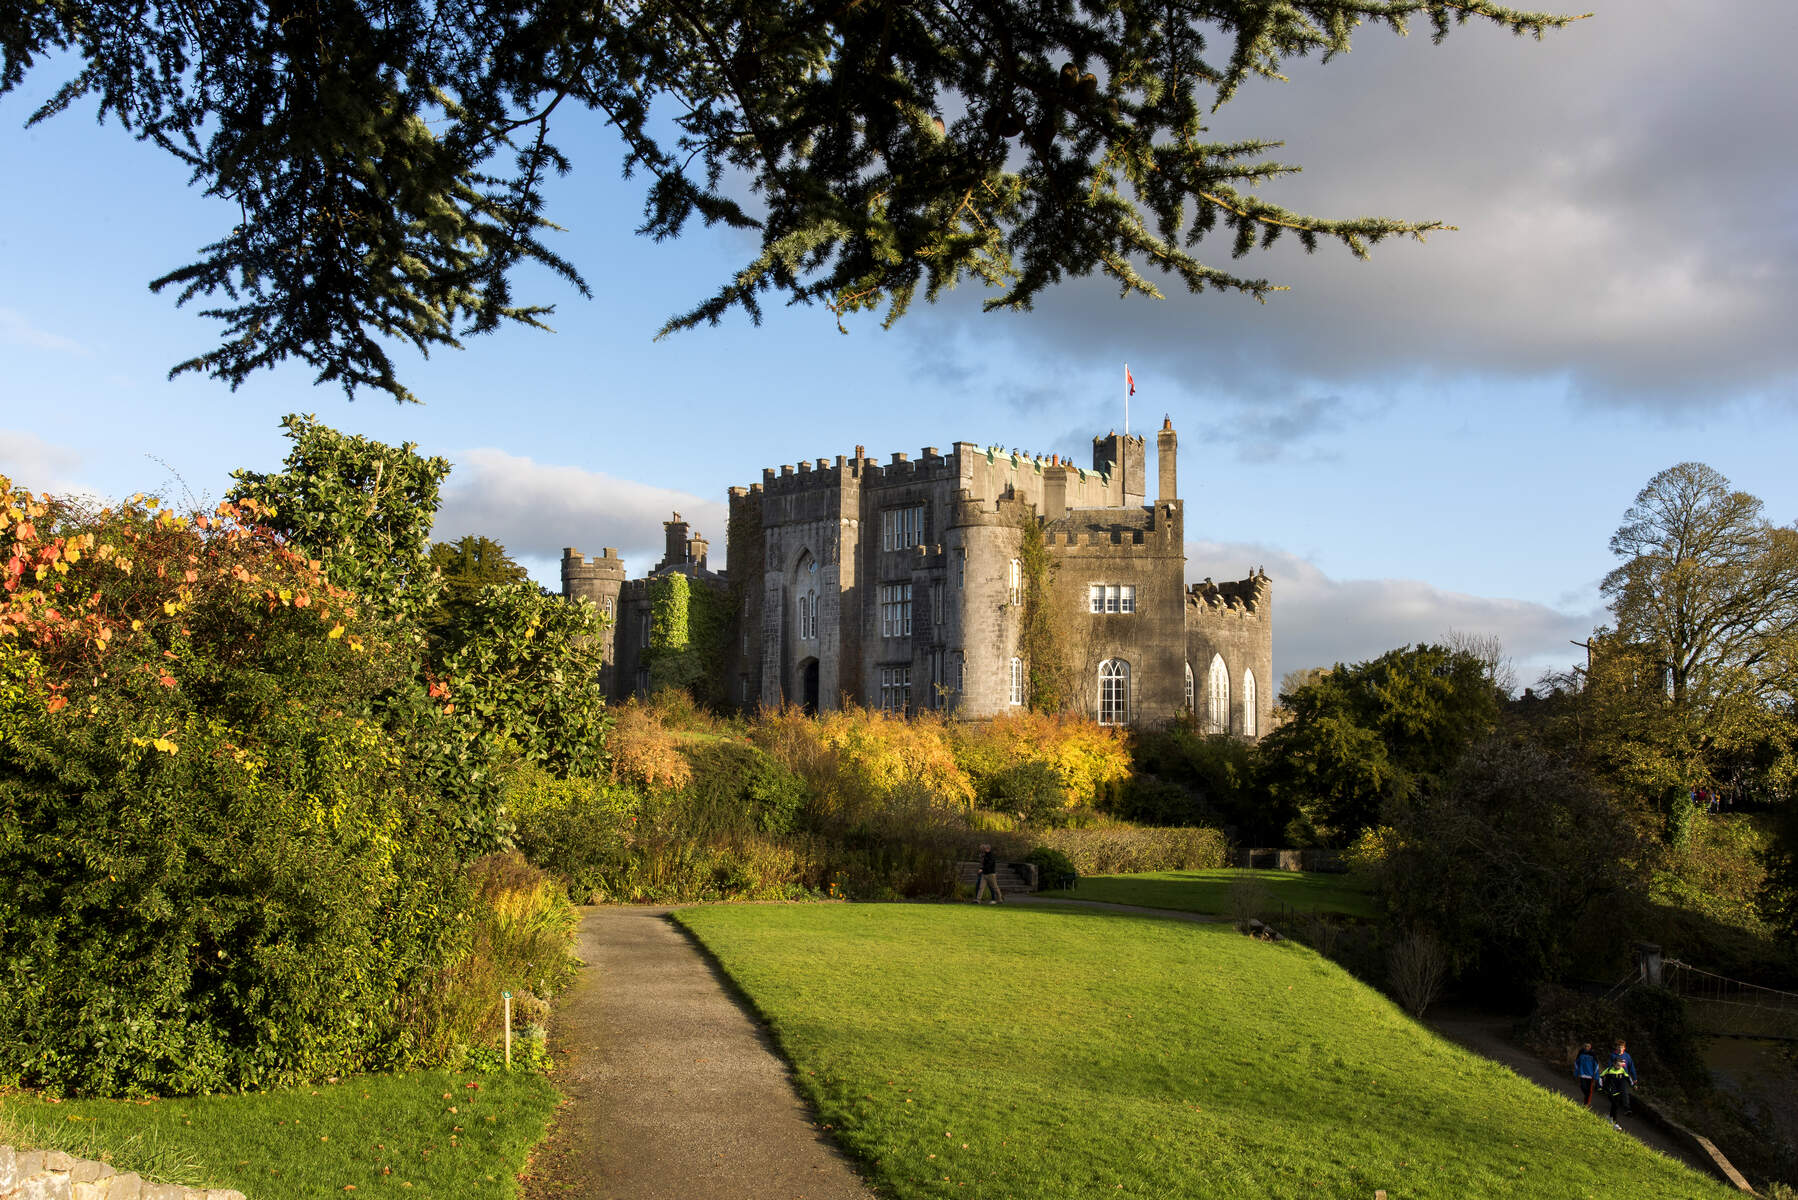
(645,752)
(517,936)
(218,869)
(1084,757)
(879,754)
(1115,849)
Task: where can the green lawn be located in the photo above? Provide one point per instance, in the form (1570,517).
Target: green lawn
(1209,891)
(1041,1054)
(424,1134)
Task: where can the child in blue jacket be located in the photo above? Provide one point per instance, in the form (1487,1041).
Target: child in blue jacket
(1585,1072)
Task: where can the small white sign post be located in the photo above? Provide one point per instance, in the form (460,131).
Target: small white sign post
(507,997)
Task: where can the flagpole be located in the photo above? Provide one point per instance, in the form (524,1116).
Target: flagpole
(1126,399)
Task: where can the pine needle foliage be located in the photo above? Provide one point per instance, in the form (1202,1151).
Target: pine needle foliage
(389,157)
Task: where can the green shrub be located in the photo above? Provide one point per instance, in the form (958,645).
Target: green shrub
(580,829)
(1053,868)
(736,786)
(219,871)
(1155,801)
(1031,790)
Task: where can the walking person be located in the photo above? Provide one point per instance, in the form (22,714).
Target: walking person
(989,876)
(1585,1072)
(1616,1083)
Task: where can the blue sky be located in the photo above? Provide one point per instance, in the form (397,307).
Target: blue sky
(1442,437)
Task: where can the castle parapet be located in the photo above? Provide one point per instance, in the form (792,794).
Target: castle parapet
(1243,599)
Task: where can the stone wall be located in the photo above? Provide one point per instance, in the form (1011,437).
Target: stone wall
(53,1175)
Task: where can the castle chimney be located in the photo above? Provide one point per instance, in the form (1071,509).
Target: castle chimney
(1165,471)
(674,535)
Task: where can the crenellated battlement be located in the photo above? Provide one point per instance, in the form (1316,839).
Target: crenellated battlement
(1007,510)
(1244,599)
(576,565)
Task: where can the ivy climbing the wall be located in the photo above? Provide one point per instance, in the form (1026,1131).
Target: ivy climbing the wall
(687,632)
(1042,642)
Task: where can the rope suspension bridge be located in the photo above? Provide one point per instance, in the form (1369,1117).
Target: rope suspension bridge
(1725,1007)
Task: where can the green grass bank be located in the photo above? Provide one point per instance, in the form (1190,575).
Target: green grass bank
(1209,891)
(447,1135)
(1032,1053)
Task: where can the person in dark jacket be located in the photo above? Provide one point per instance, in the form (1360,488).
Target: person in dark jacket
(1616,1081)
(989,876)
(1585,1072)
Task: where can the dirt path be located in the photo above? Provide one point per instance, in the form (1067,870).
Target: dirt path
(675,1092)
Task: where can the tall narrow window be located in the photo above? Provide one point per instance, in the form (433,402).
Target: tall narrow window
(1250,725)
(611,608)
(1114,692)
(1016,587)
(643,626)
(1017,681)
(1217,711)
(895,689)
(936,605)
(961,569)
(1188,687)
(902,528)
(895,610)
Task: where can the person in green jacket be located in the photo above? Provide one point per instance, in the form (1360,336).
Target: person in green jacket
(1615,1081)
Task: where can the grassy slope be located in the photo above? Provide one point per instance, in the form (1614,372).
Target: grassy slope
(309,1142)
(1040,1054)
(1209,891)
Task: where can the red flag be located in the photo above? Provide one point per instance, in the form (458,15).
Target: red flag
(1129,380)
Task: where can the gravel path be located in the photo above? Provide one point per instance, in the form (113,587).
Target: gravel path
(674,1090)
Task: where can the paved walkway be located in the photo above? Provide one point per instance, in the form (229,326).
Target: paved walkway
(1488,1036)
(675,1092)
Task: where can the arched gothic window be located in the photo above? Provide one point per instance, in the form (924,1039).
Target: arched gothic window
(1114,692)
(1016,584)
(1217,712)
(1248,703)
(1188,687)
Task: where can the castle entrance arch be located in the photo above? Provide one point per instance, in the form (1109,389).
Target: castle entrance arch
(808,685)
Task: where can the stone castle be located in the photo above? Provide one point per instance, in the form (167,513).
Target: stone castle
(900,586)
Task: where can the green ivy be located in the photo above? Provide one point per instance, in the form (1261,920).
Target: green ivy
(1042,642)
(688,631)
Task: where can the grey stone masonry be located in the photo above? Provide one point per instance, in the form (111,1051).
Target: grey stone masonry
(898,585)
(53,1175)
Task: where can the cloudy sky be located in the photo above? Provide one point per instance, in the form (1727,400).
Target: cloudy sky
(1443,437)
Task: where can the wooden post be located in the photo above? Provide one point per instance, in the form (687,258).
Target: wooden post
(507,996)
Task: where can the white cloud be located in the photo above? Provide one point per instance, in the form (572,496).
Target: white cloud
(535,510)
(1319,621)
(33,463)
(17,330)
(1629,240)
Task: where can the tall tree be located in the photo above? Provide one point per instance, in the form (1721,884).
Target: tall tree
(387,158)
(1365,738)
(359,506)
(1709,588)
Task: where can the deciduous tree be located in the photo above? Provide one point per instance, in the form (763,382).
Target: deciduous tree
(388,158)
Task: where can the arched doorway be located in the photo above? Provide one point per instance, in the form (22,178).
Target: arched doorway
(808,685)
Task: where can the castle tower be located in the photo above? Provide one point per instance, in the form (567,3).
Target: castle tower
(599,580)
(1124,456)
(1166,481)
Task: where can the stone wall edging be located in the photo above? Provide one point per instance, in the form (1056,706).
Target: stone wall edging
(53,1175)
